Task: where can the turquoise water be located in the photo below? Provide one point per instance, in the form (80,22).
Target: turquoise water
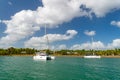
(62,68)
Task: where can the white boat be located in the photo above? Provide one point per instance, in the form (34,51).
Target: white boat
(43,56)
(92,56)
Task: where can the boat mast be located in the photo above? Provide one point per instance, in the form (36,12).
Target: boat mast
(92,44)
(47,41)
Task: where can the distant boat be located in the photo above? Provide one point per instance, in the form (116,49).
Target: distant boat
(93,55)
(43,56)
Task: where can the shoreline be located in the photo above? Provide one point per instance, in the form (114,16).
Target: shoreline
(117,56)
(82,56)
(110,56)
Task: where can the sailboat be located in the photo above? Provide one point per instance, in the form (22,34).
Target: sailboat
(93,55)
(43,55)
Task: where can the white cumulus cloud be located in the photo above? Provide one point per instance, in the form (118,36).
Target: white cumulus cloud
(26,22)
(62,46)
(115,44)
(53,12)
(97,45)
(101,7)
(42,41)
(90,33)
(115,23)
(87,46)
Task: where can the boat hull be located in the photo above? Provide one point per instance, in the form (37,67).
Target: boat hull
(40,57)
(43,57)
(52,57)
(92,56)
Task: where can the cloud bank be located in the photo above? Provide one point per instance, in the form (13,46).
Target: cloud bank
(41,43)
(95,45)
(53,12)
(101,7)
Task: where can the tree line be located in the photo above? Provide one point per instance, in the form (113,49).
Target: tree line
(32,51)
(112,52)
(17,51)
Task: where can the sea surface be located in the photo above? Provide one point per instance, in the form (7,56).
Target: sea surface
(62,68)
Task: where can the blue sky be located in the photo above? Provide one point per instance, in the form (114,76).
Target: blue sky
(70,24)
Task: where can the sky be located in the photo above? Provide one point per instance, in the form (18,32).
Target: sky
(69,24)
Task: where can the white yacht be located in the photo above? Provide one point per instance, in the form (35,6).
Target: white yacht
(92,56)
(43,56)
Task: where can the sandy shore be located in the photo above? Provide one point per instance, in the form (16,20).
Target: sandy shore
(110,56)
